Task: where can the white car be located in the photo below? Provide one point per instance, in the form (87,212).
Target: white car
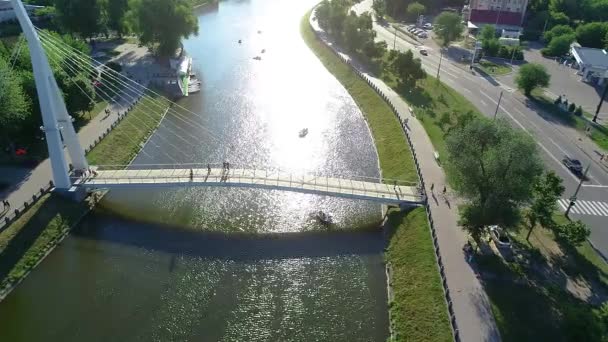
(423,35)
(500,238)
(428,26)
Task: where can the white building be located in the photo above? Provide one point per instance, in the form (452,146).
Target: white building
(592,63)
(7,13)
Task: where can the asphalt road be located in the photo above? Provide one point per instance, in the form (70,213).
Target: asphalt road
(554,141)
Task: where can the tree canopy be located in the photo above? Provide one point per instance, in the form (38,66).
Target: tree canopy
(415,9)
(493,166)
(531,76)
(448,27)
(546,191)
(162,24)
(79,16)
(592,34)
(14,106)
(407,68)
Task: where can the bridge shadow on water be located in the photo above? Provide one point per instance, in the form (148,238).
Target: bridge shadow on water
(231,246)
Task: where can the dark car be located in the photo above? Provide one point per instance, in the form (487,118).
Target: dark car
(573,165)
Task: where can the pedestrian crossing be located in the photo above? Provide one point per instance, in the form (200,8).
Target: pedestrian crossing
(595,208)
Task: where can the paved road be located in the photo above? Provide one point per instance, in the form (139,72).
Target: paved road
(554,139)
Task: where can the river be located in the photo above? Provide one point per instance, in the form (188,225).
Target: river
(227,264)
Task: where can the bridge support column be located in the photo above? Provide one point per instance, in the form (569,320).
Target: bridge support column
(57,122)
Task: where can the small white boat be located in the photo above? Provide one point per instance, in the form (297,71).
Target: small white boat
(303,133)
(257,58)
(325,218)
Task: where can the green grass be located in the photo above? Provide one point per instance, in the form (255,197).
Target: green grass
(125,141)
(534,290)
(599,133)
(418,310)
(394,154)
(26,240)
(436,105)
(493,68)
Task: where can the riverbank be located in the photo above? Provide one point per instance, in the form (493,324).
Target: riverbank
(29,239)
(415,280)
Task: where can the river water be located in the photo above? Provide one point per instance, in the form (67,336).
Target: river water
(227,264)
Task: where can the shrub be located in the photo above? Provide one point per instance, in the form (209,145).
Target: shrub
(572,107)
(578,111)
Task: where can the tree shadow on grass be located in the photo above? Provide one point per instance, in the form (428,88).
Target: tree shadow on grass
(48,217)
(416,96)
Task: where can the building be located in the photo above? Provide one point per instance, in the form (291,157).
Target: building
(504,14)
(592,63)
(7,13)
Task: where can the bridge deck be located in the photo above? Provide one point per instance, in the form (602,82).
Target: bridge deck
(273,180)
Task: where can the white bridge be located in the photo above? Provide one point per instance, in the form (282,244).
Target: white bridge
(59,131)
(362,188)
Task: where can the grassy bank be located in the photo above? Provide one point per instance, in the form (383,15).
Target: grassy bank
(125,141)
(26,240)
(394,154)
(494,69)
(418,310)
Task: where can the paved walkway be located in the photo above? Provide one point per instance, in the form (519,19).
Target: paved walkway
(40,176)
(470,303)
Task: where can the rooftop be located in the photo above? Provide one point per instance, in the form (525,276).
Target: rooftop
(591,56)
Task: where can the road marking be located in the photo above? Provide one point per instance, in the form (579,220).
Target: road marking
(467,90)
(581,207)
(594,186)
(483,102)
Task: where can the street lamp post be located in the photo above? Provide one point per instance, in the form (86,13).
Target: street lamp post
(599,106)
(573,198)
(395,38)
(498,105)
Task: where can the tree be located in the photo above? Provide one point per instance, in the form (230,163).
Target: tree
(493,166)
(408,69)
(558,18)
(545,192)
(531,76)
(573,232)
(592,34)
(558,46)
(557,31)
(162,24)
(14,106)
(491,47)
(116,10)
(448,27)
(379,7)
(79,16)
(415,9)
(79,94)
(487,33)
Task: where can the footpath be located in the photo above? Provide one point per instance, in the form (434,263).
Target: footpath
(469,303)
(38,179)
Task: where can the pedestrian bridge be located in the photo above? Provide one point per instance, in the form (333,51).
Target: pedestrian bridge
(361,188)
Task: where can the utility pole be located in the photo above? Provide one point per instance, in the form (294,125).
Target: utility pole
(395,38)
(498,105)
(573,198)
(440,59)
(599,106)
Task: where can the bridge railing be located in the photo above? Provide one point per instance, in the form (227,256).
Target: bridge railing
(258,171)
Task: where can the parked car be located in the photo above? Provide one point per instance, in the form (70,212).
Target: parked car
(424,52)
(500,237)
(573,165)
(423,35)
(411,28)
(428,26)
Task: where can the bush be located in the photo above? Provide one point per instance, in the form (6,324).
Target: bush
(556,31)
(572,107)
(530,76)
(578,111)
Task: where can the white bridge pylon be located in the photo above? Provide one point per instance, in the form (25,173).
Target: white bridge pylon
(369,189)
(58,127)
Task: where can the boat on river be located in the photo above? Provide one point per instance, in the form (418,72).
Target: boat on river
(303,133)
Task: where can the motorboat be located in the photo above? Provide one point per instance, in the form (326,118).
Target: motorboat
(257,58)
(325,218)
(303,133)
